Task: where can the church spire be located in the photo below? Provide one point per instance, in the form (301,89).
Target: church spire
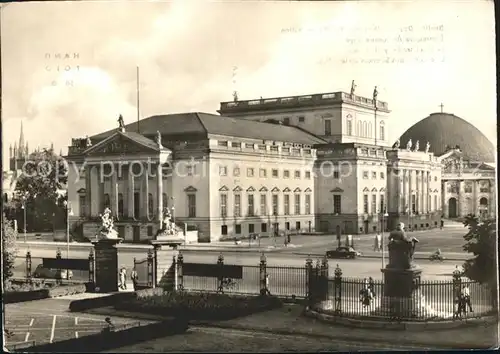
(21,141)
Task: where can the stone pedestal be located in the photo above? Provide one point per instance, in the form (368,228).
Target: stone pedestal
(401,297)
(106,265)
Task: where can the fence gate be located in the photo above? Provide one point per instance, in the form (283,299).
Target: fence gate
(144,268)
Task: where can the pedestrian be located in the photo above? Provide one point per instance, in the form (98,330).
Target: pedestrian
(267,285)
(376,246)
(289,238)
(123,280)
(285,240)
(110,327)
(442,224)
(133,276)
(371,286)
(466,297)
(349,241)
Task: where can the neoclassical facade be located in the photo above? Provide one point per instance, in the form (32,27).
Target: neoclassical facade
(227,177)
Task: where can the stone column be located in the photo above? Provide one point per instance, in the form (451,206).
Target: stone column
(94,186)
(114,192)
(130,197)
(145,192)
(418,202)
(159,181)
(409,191)
(401,189)
(88,189)
(423,193)
(404,197)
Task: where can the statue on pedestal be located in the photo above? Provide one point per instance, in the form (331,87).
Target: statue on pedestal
(106,231)
(408,145)
(158,138)
(417,146)
(401,249)
(427,147)
(168,232)
(397,144)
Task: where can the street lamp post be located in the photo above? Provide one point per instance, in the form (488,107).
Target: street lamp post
(69,212)
(384,216)
(24,216)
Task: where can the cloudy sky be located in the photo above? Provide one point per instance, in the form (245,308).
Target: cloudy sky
(187,51)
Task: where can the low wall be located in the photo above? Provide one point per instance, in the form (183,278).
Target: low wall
(10,297)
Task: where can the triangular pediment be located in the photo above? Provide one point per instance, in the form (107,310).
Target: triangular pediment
(190,189)
(223,189)
(287,190)
(382,189)
(263,189)
(337,190)
(250,189)
(275,190)
(308,190)
(297,190)
(366,189)
(122,144)
(237,189)
(81,191)
(374,189)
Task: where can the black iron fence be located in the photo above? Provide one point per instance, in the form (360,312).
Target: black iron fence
(81,270)
(454,298)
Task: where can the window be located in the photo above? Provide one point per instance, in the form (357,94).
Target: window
(191,205)
(365,130)
(263,204)
(286,174)
(107,204)
(150,231)
(297,225)
(263,227)
(222,143)
(236,172)
(251,210)
(262,173)
(468,188)
(382,175)
(237,205)
(382,202)
(337,204)
(435,178)
(413,204)
(189,170)
(307,175)
(365,203)
(308,204)
(120,205)
(150,205)
(336,174)
(82,203)
(275,173)
(275,204)
(382,131)
(374,175)
(429,202)
(286,121)
(222,171)
(236,144)
(287,225)
(484,188)
(223,230)
(436,203)
(349,126)
(297,174)
(251,228)
(137,204)
(302,119)
(374,204)
(287,204)
(328,127)
(365,174)
(250,172)
(297,204)
(223,205)
(237,229)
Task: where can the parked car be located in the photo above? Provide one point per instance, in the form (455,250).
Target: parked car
(343,252)
(46,273)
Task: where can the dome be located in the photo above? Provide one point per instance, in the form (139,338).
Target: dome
(443,129)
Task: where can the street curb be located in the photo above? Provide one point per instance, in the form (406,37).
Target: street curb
(334,335)
(398,326)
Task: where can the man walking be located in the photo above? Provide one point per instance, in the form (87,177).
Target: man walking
(377,246)
(133,276)
(466,297)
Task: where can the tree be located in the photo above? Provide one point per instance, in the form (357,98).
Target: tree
(481,241)
(9,248)
(39,187)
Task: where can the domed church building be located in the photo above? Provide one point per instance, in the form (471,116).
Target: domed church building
(468,163)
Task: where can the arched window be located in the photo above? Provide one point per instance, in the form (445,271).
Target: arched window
(369,130)
(483,202)
(120,205)
(382,131)
(150,205)
(360,129)
(5,198)
(349,124)
(365,130)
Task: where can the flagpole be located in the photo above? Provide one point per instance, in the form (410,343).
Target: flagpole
(137,94)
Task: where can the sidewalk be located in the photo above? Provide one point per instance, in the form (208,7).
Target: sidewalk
(289,321)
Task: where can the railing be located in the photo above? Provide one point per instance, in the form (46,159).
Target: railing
(31,267)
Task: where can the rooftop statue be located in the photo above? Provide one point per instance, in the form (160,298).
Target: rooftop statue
(106,231)
(396,144)
(121,122)
(88,142)
(353,88)
(417,146)
(427,147)
(408,145)
(158,138)
(401,249)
